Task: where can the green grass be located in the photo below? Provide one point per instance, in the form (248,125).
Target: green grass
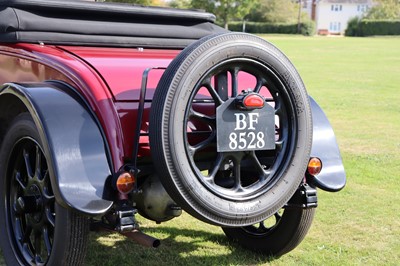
(357,83)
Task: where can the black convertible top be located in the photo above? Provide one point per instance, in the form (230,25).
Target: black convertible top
(101,24)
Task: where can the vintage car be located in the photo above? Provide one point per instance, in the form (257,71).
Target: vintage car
(112,110)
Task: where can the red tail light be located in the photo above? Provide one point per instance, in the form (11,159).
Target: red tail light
(249,101)
(253,101)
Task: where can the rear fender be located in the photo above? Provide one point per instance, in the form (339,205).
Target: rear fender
(324,146)
(73,142)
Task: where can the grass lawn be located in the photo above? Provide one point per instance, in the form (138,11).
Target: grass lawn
(357,83)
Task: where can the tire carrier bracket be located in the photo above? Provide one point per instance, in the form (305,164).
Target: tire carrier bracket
(305,197)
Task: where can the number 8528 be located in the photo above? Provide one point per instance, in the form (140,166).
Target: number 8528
(246,140)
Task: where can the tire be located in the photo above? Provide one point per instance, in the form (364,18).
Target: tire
(228,188)
(35,230)
(277,235)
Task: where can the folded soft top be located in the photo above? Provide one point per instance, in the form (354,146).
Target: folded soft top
(101,24)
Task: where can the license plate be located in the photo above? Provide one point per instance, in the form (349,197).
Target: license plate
(243,130)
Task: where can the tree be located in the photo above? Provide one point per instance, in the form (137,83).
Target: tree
(183,4)
(275,11)
(385,9)
(225,10)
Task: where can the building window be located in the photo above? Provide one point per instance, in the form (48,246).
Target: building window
(336,8)
(362,8)
(335,26)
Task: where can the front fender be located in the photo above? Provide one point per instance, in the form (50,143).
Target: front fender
(72,141)
(332,177)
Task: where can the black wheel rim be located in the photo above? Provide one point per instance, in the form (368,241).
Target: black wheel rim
(265,227)
(30,203)
(238,175)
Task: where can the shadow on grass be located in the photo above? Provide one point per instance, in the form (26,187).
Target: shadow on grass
(179,247)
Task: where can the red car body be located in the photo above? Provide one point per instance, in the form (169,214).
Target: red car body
(109,78)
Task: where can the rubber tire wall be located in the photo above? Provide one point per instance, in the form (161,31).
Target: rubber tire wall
(281,239)
(167,120)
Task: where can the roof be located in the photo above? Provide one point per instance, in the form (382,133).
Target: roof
(101,24)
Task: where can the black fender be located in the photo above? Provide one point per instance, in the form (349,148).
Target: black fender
(324,146)
(73,142)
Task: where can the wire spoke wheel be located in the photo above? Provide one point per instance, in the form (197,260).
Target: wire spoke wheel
(31,202)
(35,229)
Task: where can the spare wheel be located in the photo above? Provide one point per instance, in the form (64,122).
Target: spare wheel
(226,160)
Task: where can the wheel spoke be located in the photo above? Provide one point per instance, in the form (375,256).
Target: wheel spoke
(49,217)
(27,234)
(260,83)
(46,178)
(262,227)
(207,142)
(38,260)
(217,166)
(234,74)
(277,216)
(279,145)
(209,120)
(47,241)
(259,167)
(221,83)
(19,234)
(19,180)
(27,251)
(38,162)
(236,173)
(38,243)
(27,163)
(47,195)
(278,109)
(213,93)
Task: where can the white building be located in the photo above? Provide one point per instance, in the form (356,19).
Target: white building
(332,16)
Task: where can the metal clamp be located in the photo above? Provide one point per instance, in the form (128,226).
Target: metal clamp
(305,197)
(126,220)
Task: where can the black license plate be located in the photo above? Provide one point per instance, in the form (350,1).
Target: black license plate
(244,130)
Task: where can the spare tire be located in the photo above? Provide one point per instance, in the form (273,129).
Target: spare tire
(237,187)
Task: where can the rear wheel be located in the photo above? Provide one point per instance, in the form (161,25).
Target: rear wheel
(277,235)
(238,187)
(35,230)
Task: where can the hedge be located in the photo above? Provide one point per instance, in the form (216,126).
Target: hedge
(306,28)
(366,27)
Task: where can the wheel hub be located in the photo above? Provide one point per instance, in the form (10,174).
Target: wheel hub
(36,216)
(31,205)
